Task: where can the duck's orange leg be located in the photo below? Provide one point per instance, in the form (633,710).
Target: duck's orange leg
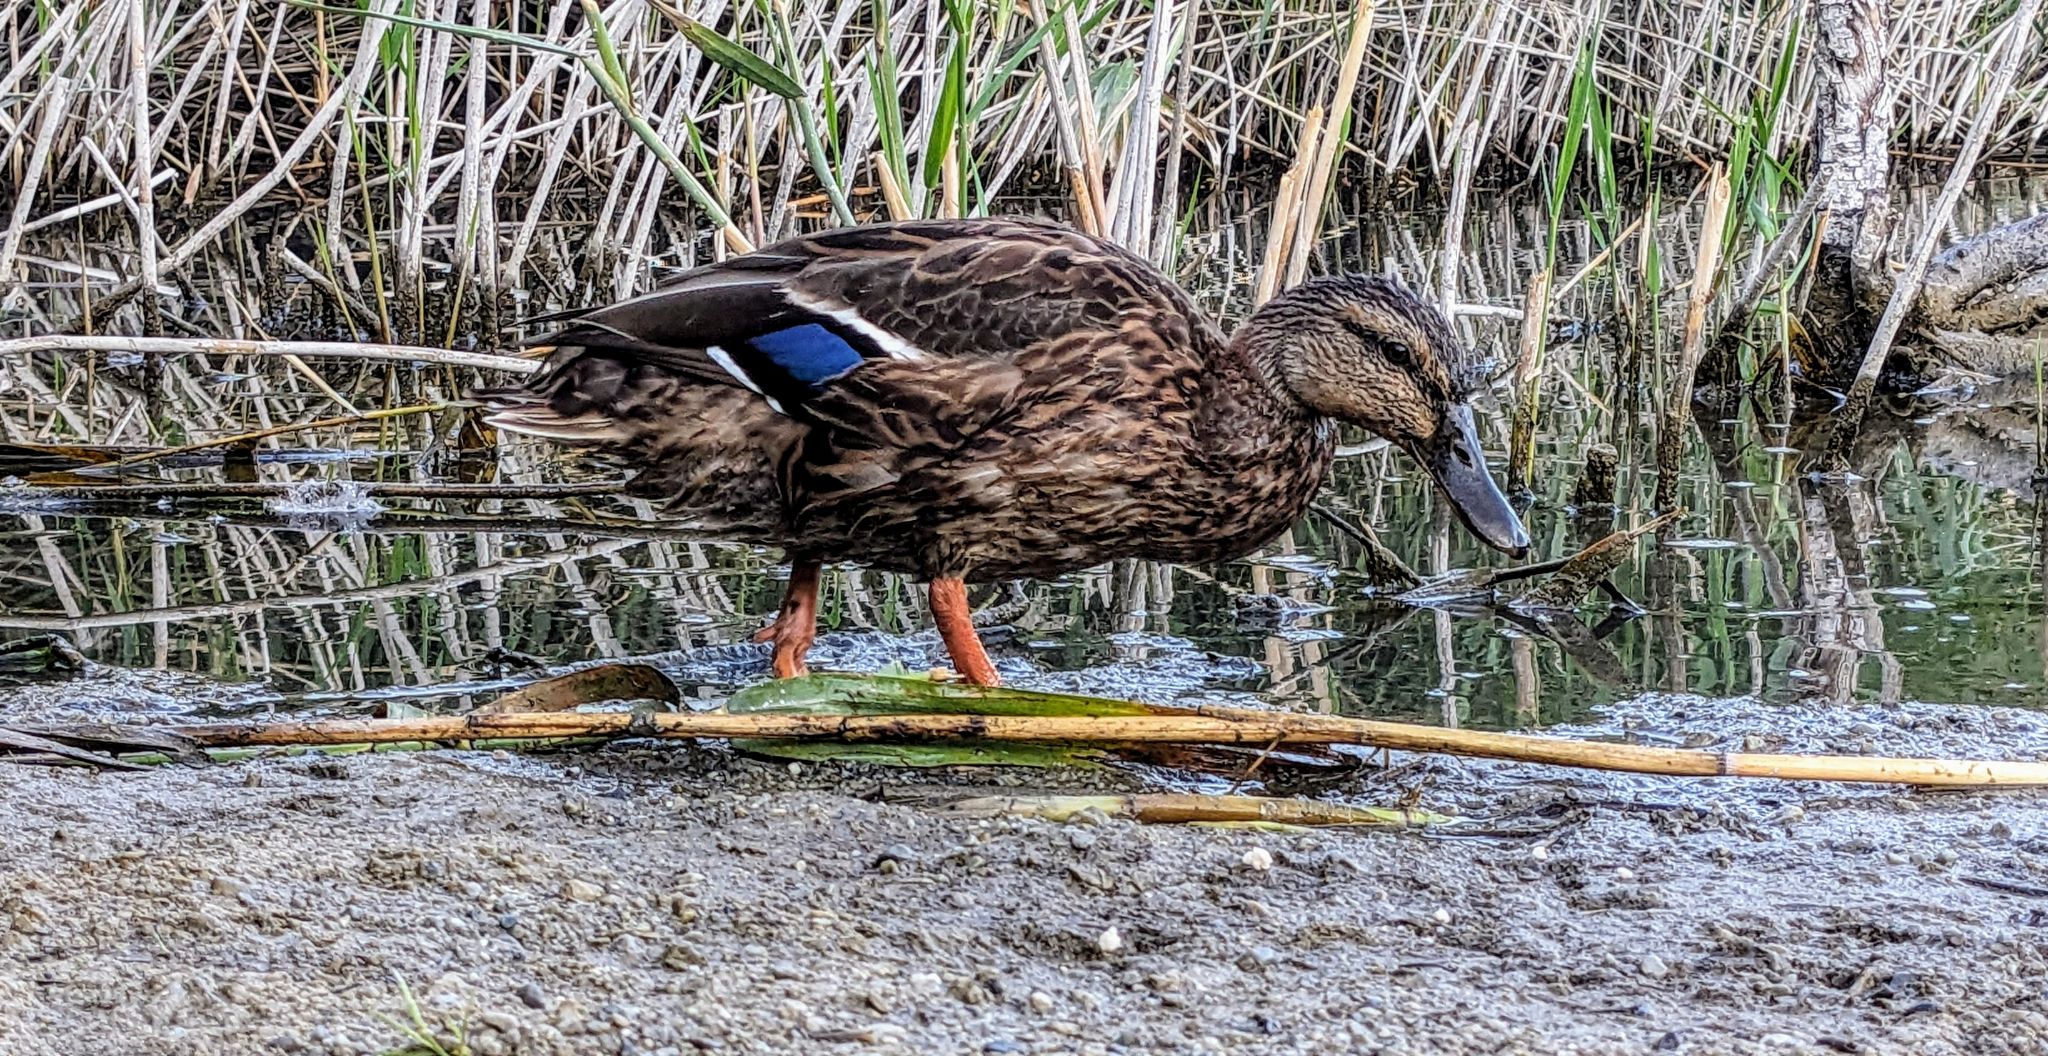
(796,626)
(956,629)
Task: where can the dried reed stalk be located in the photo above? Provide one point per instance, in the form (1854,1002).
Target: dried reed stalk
(1208,725)
(1678,412)
(1181,808)
(1527,381)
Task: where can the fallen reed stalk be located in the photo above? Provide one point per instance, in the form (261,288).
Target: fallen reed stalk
(1187,808)
(153,490)
(1207,725)
(358,418)
(219,346)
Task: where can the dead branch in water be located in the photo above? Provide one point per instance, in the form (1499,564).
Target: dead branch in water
(1576,576)
(1206,725)
(1589,568)
(1383,566)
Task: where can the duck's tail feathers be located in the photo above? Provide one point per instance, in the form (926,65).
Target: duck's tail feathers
(578,398)
(543,422)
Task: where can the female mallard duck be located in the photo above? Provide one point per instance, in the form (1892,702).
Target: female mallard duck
(993,399)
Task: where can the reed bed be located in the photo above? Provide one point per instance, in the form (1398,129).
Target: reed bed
(412,171)
(230,170)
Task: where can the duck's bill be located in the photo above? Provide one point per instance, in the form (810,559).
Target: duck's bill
(1456,462)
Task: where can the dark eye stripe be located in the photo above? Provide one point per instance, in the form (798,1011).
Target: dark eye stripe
(1399,353)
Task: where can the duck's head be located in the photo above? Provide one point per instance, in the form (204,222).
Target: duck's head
(1363,349)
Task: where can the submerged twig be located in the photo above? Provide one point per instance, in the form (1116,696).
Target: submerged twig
(1589,568)
(1382,565)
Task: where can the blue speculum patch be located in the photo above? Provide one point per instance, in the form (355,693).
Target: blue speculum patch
(809,353)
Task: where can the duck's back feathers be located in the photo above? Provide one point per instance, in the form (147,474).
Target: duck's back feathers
(788,320)
(907,374)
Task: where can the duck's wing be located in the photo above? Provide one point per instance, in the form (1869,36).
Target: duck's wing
(790,320)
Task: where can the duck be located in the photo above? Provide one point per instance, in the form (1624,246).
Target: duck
(994,399)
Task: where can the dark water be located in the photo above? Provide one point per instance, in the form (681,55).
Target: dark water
(1917,578)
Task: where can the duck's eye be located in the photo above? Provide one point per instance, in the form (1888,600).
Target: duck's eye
(1398,353)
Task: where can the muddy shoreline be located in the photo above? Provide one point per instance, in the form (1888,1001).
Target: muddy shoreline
(669,899)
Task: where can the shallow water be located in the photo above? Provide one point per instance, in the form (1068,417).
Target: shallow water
(1917,579)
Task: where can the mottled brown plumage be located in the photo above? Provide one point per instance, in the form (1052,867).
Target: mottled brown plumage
(983,399)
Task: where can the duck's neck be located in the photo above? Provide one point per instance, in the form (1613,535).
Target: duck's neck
(1248,408)
(1263,453)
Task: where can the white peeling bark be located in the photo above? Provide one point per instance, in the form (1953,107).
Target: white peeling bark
(1851,136)
(1852,127)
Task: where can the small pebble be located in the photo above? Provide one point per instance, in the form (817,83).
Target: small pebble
(1654,966)
(1624,874)
(1257,957)
(1441,916)
(531,997)
(1110,941)
(581,891)
(1040,1001)
(1258,859)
